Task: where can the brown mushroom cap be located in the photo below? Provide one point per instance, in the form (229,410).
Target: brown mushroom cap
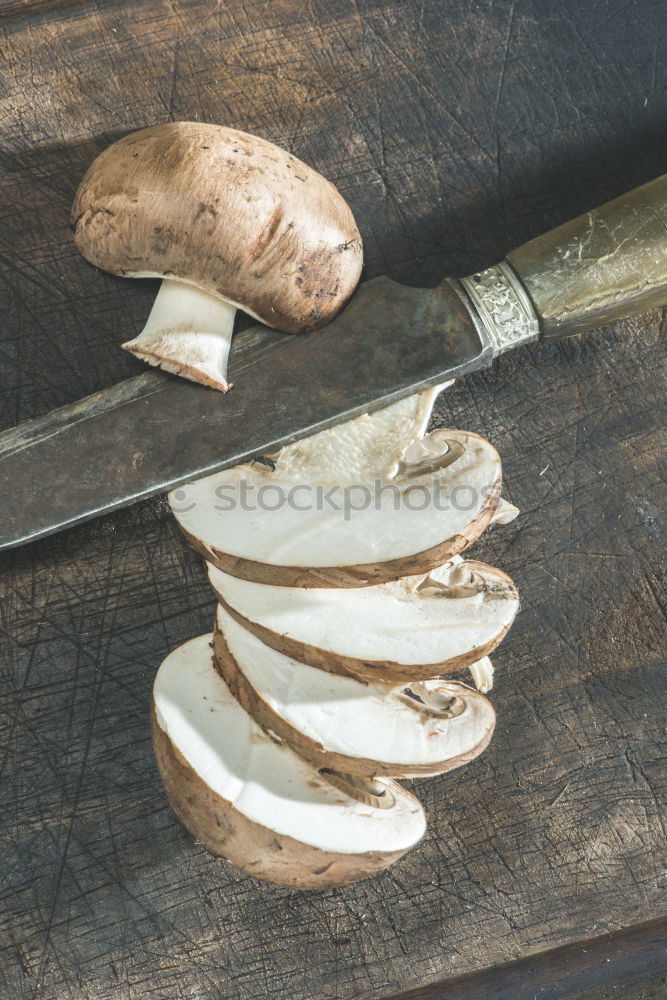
(227,212)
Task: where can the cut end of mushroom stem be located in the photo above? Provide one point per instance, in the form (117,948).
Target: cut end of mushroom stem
(368,791)
(188,333)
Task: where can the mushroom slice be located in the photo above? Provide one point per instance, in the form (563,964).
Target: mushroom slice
(367,447)
(250,799)
(407,630)
(230,221)
(398,507)
(343,724)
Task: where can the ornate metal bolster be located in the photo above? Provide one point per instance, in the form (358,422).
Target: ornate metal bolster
(506,314)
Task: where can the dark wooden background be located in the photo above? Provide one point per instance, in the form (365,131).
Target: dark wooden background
(456,129)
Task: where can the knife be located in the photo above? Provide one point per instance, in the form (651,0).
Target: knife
(153,432)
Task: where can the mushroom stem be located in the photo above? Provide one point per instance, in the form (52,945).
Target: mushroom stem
(482,674)
(370,791)
(188,332)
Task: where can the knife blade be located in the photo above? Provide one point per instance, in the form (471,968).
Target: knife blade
(151,433)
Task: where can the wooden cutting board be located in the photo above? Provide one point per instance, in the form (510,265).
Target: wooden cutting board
(456,130)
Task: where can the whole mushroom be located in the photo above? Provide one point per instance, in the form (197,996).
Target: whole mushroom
(228,221)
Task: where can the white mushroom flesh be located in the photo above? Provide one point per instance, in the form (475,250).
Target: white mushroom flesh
(263,779)
(482,674)
(359,450)
(505,512)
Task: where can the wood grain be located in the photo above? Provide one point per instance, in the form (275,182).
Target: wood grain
(456,131)
(596,968)
(10,9)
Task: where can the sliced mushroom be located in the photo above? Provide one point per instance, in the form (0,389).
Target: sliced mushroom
(250,799)
(407,630)
(362,449)
(363,503)
(344,724)
(229,221)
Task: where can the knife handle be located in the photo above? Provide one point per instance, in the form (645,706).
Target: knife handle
(602,266)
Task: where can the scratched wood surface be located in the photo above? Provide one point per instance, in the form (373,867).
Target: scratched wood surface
(456,130)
